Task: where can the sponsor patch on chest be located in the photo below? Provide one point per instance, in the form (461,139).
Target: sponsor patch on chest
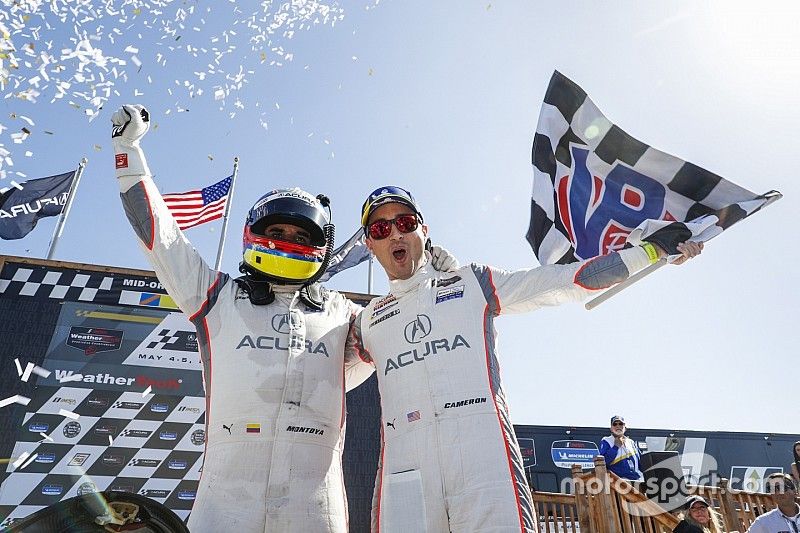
(449,293)
(444,282)
(383,306)
(387,316)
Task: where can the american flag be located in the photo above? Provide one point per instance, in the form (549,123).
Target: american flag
(193,208)
(413,417)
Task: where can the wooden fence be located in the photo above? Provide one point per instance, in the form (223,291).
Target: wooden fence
(602,502)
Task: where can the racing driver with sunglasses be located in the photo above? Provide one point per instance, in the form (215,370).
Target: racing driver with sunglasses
(272,344)
(448,447)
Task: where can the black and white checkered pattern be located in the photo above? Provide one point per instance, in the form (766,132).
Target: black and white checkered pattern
(58,284)
(48,282)
(568,119)
(184,341)
(156,450)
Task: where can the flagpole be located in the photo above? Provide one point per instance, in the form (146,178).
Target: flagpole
(73,188)
(369,276)
(218,262)
(769,198)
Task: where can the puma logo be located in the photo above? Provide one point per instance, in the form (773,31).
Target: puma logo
(391,424)
(228,428)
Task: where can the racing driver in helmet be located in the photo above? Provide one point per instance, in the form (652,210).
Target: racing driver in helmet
(272,347)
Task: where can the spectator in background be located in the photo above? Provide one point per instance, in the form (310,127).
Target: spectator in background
(796,464)
(698,518)
(786,516)
(621,453)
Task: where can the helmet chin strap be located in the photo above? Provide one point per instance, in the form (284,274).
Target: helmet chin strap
(258,288)
(261,291)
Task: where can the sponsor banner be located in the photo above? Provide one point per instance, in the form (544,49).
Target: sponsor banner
(159,489)
(119,378)
(147,299)
(183,495)
(72,285)
(566,453)
(105,334)
(50,400)
(94,340)
(171,344)
(115,337)
(751,478)
(528,450)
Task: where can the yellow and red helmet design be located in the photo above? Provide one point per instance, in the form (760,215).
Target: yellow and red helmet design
(279,260)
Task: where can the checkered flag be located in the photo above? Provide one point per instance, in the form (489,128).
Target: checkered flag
(593,184)
(184,341)
(59,284)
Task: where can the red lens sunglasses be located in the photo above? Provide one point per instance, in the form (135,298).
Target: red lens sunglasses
(380,229)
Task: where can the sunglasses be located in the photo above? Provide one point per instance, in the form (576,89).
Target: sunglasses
(380,229)
(618,424)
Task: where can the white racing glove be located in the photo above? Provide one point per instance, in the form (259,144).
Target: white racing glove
(442,260)
(130,123)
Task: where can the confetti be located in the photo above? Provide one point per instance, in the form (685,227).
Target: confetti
(39,371)
(46,437)
(146,391)
(78,53)
(22,400)
(27,373)
(110,441)
(21,459)
(69,414)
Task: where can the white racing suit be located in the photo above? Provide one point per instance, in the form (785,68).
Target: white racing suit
(449,459)
(274,378)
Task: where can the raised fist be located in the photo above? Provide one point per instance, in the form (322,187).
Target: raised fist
(130,123)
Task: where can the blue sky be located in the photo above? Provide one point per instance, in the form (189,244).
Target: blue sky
(443,98)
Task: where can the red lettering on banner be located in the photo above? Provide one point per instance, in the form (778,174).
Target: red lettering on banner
(144,381)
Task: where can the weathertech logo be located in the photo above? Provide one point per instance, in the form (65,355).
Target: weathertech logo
(462,403)
(144,381)
(121,160)
(300,429)
(63,376)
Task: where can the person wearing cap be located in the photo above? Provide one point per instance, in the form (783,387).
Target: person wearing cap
(620,452)
(786,515)
(449,459)
(699,517)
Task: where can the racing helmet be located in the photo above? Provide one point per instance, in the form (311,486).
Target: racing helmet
(279,260)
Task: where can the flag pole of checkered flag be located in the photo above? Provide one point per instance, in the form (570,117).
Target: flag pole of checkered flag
(596,188)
